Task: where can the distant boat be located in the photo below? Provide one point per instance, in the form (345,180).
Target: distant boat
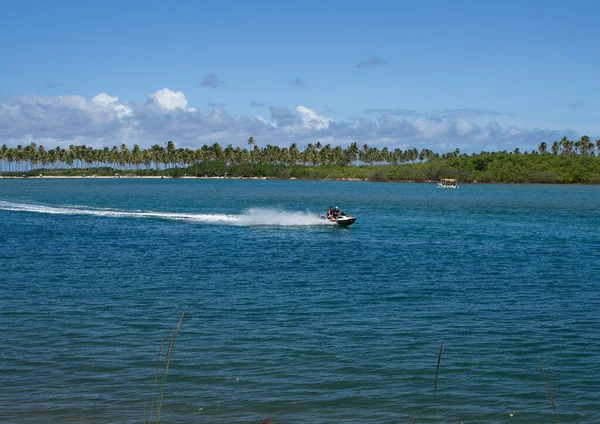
(447,183)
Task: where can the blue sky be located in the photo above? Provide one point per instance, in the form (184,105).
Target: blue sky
(435,74)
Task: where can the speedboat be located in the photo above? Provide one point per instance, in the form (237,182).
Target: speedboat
(447,183)
(344,219)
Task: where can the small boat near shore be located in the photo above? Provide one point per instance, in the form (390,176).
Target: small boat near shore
(447,183)
(344,219)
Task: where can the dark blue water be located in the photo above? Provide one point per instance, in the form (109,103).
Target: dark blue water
(290,317)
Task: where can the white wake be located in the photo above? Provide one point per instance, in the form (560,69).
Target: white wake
(255,216)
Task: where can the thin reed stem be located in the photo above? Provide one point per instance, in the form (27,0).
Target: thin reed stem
(437,369)
(159,393)
(170,347)
(549,391)
(156,377)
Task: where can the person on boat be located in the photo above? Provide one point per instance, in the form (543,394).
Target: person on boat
(330,212)
(336,213)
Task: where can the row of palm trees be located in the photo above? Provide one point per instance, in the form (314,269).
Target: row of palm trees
(584,146)
(32,156)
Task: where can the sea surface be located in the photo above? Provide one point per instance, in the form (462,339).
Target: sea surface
(289,316)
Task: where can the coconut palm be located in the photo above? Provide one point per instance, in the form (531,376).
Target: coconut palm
(585,145)
(352,152)
(137,156)
(3,157)
(567,145)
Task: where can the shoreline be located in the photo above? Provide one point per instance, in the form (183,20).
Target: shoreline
(187,177)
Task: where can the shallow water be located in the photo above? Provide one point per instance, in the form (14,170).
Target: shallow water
(290,316)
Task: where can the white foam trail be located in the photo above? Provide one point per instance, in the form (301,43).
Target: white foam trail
(259,216)
(250,217)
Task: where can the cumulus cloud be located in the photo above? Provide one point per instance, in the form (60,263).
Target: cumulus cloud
(298,82)
(98,122)
(310,120)
(168,99)
(211,80)
(465,128)
(372,62)
(302,120)
(104,100)
(112,103)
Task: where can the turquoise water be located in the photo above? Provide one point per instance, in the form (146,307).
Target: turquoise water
(291,317)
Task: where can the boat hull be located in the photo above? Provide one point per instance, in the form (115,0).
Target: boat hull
(344,221)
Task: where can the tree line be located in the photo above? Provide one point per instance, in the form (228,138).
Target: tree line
(564,161)
(32,156)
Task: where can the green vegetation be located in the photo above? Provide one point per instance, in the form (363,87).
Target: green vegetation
(564,162)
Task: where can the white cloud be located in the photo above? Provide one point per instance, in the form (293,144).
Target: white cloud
(109,102)
(304,120)
(104,99)
(266,122)
(311,120)
(106,120)
(431,128)
(464,127)
(168,99)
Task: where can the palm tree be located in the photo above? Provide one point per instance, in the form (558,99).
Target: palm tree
(293,154)
(3,155)
(363,155)
(352,152)
(555,148)
(170,153)
(137,156)
(42,156)
(543,147)
(125,156)
(585,145)
(251,142)
(255,155)
(566,144)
